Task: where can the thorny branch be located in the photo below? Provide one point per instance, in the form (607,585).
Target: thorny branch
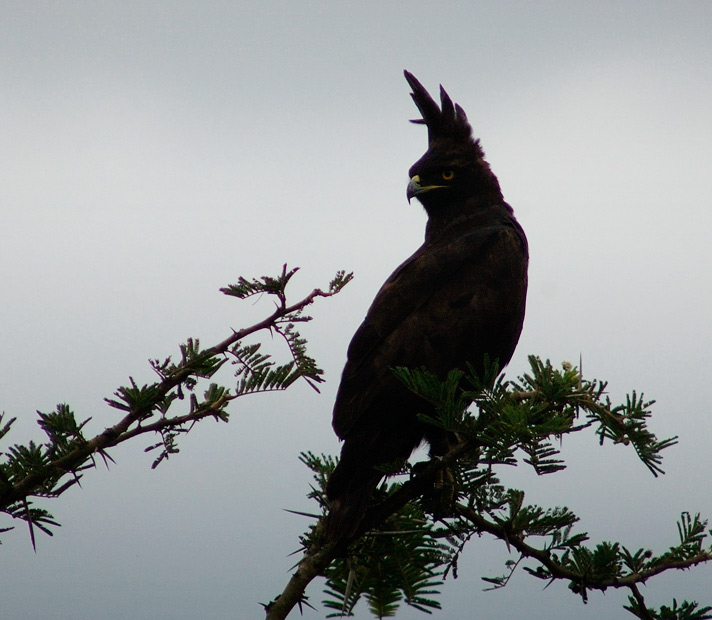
(550,401)
(42,480)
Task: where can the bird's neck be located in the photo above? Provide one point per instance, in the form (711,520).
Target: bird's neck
(472,214)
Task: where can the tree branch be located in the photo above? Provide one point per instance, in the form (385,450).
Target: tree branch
(310,567)
(557,571)
(73,460)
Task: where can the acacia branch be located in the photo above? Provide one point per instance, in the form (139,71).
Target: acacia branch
(312,565)
(110,437)
(557,571)
(317,559)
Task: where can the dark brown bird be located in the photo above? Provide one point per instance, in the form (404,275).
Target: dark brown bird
(459,298)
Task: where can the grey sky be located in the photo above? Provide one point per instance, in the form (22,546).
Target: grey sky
(153,152)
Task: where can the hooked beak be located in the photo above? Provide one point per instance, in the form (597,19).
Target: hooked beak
(415,188)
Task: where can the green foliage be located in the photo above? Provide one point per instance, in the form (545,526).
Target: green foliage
(684,611)
(183,395)
(498,422)
(389,565)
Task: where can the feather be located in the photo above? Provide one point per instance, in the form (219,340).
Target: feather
(445,121)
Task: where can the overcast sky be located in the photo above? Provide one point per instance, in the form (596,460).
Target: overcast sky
(152,152)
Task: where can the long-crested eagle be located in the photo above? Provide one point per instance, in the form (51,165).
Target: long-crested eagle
(459,298)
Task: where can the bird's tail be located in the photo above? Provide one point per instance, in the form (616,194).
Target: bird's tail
(349,492)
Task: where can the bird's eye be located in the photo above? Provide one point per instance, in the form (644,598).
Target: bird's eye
(448,175)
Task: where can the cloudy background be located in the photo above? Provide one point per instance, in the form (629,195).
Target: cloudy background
(151,153)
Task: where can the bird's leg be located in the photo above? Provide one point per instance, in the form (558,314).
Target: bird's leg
(444,480)
(440,500)
(443,495)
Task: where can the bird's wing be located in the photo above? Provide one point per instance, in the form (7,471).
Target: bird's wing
(432,308)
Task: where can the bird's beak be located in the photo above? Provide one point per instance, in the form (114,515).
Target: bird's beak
(415,188)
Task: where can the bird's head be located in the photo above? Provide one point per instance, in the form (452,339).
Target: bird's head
(453,169)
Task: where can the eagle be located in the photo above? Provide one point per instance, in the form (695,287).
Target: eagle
(459,299)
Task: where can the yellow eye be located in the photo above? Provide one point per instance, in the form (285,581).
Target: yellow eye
(448,175)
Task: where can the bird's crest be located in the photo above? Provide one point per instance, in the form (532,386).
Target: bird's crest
(447,121)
